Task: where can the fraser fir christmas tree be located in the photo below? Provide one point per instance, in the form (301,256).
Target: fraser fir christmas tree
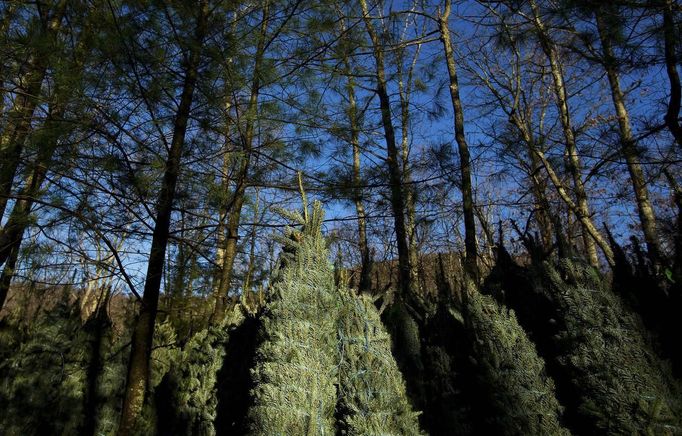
(296,361)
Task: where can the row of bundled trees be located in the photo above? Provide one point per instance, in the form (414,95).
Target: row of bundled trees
(502,184)
(318,358)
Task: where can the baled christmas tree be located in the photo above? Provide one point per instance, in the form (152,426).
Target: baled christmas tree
(372,398)
(617,382)
(510,375)
(295,374)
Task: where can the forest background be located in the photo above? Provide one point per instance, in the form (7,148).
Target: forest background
(149,148)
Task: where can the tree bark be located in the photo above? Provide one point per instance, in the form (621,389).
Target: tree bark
(392,160)
(471,249)
(7,17)
(522,125)
(143,331)
(252,249)
(629,147)
(19,119)
(573,163)
(561,189)
(12,234)
(543,215)
(365,268)
(404,90)
(232,229)
(47,139)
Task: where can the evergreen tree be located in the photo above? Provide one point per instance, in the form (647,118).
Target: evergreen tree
(611,379)
(518,395)
(187,397)
(44,380)
(372,397)
(296,362)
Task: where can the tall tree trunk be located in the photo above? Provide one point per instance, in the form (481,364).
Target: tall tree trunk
(8,273)
(247,137)
(223,211)
(137,381)
(19,119)
(408,188)
(252,249)
(7,17)
(96,326)
(563,193)
(677,198)
(175,283)
(392,161)
(47,140)
(365,268)
(629,147)
(543,215)
(12,234)
(587,224)
(471,249)
(230,248)
(672,116)
(573,164)
(524,128)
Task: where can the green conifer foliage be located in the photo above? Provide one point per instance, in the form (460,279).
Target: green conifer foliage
(201,361)
(511,375)
(110,386)
(164,353)
(42,383)
(372,398)
(618,384)
(296,361)
(188,391)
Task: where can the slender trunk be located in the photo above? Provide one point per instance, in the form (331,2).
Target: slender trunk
(143,331)
(629,147)
(47,139)
(12,234)
(224,205)
(7,17)
(543,215)
(99,287)
(524,129)
(487,231)
(573,164)
(471,249)
(230,249)
(672,116)
(232,230)
(174,288)
(392,160)
(19,119)
(365,269)
(91,399)
(561,189)
(8,274)
(563,193)
(408,188)
(677,198)
(252,249)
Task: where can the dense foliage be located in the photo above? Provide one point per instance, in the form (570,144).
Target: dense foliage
(498,183)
